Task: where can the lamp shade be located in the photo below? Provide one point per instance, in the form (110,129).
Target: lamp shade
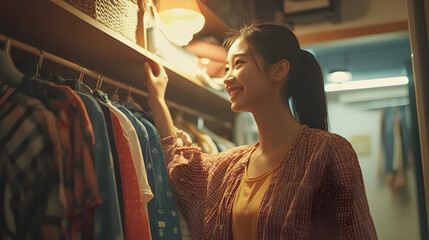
(183,16)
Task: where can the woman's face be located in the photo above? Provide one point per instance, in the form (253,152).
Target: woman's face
(246,79)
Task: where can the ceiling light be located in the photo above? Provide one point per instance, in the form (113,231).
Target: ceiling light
(183,18)
(339,76)
(372,83)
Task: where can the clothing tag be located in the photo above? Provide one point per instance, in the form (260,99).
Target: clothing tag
(161,224)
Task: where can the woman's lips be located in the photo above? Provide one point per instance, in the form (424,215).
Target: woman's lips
(234,91)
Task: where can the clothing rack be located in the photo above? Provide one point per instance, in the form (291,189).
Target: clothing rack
(108,80)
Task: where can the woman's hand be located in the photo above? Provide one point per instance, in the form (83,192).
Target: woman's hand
(156,81)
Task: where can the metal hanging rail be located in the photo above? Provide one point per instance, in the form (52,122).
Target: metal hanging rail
(108,80)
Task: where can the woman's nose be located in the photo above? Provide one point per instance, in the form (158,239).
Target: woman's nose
(228,79)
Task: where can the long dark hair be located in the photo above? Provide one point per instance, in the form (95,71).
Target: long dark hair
(304,86)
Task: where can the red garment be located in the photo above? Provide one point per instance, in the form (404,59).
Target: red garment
(317,192)
(136,220)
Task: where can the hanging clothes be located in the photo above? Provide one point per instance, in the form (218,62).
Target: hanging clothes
(114,151)
(200,139)
(221,143)
(30,169)
(137,157)
(99,161)
(136,224)
(79,175)
(162,209)
(394,148)
(135,152)
(107,218)
(144,145)
(76,140)
(96,157)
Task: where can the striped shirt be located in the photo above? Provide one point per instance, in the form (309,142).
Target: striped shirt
(317,192)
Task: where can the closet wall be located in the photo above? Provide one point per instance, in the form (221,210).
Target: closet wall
(58,28)
(365,17)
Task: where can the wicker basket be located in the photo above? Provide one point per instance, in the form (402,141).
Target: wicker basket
(118,15)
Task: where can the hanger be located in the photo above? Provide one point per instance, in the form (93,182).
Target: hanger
(42,74)
(83,87)
(196,133)
(39,64)
(97,90)
(133,106)
(99,82)
(115,97)
(8,71)
(131,102)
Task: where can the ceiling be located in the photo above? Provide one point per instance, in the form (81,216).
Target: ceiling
(369,57)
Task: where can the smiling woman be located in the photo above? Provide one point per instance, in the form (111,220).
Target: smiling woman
(298,182)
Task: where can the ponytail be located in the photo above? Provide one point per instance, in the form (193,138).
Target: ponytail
(306,91)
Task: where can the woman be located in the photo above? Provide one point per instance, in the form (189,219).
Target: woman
(298,182)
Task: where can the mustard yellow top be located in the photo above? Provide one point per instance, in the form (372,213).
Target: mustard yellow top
(246,204)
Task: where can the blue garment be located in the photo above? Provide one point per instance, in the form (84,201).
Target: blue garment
(388,136)
(107,218)
(404,134)
(114,151)
(162,209)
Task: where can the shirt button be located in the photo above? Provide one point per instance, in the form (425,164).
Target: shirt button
(220,227)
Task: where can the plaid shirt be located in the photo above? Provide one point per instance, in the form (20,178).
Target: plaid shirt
(317,192)
(30,156)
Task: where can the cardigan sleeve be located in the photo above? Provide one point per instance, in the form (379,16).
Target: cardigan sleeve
(353,217)
(192,173)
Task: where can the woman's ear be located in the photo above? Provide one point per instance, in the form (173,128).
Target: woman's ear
(280,70)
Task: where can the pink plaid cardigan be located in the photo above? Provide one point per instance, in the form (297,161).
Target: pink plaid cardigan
(317,192)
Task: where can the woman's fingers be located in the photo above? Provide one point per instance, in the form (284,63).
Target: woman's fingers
(156,83)
(156,67)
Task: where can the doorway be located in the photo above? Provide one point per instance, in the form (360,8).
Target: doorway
(367,115)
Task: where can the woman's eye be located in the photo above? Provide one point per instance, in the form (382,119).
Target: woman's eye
(237,62)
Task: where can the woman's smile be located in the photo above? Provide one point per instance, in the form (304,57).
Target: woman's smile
(234,91)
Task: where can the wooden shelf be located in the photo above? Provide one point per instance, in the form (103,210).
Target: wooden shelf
(58,28)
